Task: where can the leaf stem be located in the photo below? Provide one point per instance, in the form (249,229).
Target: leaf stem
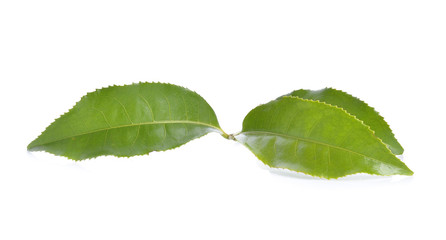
(228,136)
(223,134)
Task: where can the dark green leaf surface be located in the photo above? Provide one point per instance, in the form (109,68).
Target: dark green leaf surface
(317,139)
(359,109)
(128,120)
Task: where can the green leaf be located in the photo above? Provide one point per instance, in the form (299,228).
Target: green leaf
(357,108)
(128,120)
(316,138)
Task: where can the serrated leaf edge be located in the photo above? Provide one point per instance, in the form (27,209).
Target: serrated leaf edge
(357,98)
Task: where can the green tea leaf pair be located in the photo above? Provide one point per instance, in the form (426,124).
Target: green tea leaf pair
(325,133)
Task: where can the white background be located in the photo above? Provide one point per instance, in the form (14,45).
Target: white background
(237,55)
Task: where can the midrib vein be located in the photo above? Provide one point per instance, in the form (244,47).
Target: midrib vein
(132,125)
(312,141)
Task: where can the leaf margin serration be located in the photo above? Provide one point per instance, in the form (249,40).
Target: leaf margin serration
(363,102)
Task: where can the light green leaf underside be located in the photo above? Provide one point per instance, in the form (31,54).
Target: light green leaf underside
(316,139)
(128,120)
(357,108)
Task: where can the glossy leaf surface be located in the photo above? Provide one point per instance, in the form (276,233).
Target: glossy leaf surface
(128,120)
(317,139)
(357,108)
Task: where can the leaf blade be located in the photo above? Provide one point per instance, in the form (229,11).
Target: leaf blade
(356,107)
(128,120)
(317,139)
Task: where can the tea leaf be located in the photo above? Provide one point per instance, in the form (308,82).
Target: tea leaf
(316,138)
(128,120)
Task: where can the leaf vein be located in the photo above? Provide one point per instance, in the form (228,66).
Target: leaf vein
(315,142)
(105,118)
(137,135)
(148,105)
(168,104)
(133,125)
(125,110)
